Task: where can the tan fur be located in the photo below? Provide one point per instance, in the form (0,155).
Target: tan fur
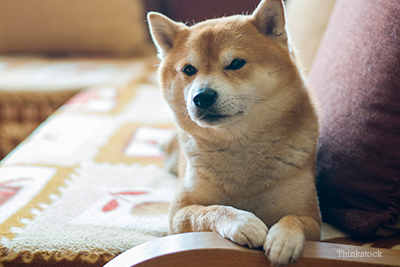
(252,173)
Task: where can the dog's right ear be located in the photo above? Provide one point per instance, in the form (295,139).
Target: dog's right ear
(163,32)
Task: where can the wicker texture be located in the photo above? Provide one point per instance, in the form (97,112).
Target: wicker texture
(21,112)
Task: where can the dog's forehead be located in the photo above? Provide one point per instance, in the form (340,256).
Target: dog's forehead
(210,38)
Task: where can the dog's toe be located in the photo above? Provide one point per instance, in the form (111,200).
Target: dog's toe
(246,229)
(283,246)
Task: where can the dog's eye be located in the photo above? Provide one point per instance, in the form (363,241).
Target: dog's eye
(236,64)
(189,70)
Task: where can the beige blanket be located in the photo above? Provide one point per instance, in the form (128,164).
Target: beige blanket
(89,183)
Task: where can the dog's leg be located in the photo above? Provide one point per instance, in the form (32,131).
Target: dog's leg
(239,226)
(171,150)
(285,240)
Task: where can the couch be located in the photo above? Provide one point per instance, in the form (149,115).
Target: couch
(89,184)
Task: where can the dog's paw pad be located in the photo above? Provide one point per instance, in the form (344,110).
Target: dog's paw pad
(283,246)
(245,229)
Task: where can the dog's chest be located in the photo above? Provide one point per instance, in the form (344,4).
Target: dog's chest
(240,187)
(238,172)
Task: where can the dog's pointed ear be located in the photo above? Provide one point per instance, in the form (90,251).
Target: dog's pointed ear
(163,32)
(269,18)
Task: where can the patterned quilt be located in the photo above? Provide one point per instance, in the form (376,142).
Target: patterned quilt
(89,183)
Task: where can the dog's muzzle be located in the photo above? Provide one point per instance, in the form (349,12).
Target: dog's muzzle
(209,108)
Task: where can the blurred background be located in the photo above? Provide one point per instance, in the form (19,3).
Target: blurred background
(50,50)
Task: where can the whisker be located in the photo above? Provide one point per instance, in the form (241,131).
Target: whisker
(237,36)
(258,99)
(234,137)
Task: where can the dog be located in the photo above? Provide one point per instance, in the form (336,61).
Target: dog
(247,129)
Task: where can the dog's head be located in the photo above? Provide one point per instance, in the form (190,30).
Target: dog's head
(215,73)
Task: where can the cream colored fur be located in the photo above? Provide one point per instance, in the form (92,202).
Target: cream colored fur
(247,163)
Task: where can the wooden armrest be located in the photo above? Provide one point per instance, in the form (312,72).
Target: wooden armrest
(210,249)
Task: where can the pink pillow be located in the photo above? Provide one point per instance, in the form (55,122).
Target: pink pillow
(356,75)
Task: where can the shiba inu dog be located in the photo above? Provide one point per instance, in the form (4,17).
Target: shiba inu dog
(248,129)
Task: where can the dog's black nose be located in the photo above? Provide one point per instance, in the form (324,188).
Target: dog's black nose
(205,98)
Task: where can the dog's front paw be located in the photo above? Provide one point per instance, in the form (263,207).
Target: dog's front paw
(244,228)
(283,245)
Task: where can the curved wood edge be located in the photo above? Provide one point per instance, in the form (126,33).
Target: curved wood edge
(211,249)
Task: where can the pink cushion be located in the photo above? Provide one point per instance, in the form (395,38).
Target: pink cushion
(356,75)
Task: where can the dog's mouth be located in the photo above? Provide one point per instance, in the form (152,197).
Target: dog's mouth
(212,119)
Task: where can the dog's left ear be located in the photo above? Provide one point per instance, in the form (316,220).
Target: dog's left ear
(269,18)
